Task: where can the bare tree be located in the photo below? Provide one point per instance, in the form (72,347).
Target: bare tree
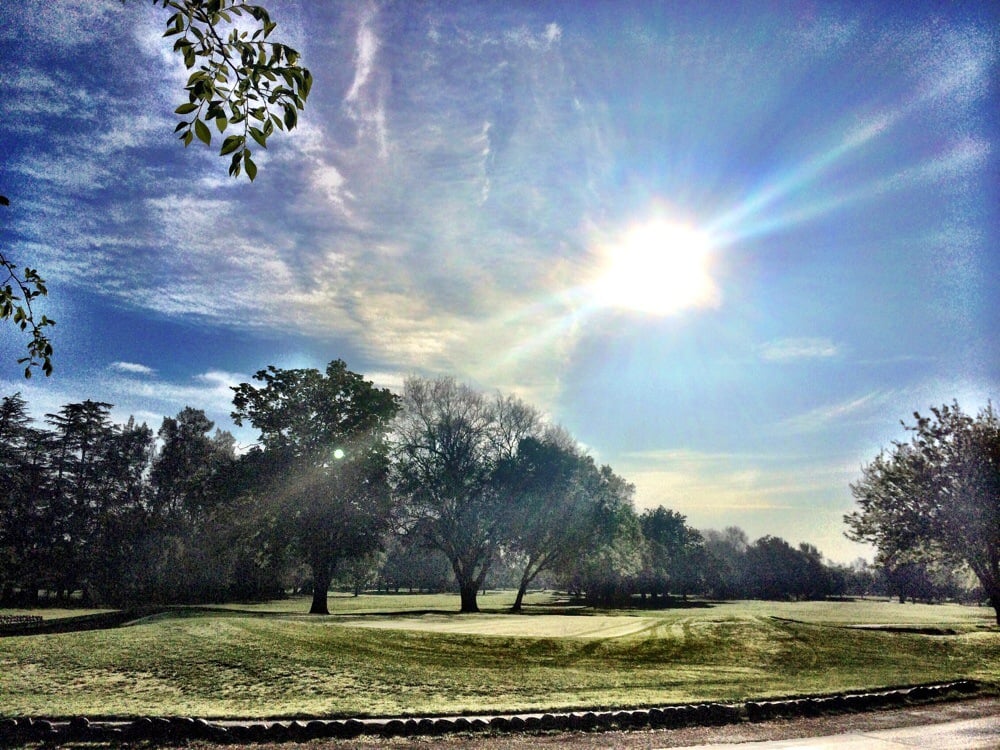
(451,442)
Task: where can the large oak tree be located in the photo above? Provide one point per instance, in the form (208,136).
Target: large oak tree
(322,462)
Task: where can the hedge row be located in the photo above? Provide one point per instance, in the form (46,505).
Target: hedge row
(80,729)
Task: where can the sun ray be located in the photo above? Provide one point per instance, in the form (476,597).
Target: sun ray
(748,218)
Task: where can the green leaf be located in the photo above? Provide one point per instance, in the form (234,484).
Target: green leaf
(231,144)
(234,165)
(258,136)
(204,134)
(186,108)
(249,166)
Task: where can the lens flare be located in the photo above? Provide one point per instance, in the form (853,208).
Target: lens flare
(658,268)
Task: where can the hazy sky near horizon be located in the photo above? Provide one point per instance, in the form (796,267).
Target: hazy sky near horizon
(729,246)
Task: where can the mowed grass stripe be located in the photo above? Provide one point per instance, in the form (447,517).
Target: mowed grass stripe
(232,665)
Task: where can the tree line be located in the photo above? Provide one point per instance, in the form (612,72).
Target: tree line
(439,486)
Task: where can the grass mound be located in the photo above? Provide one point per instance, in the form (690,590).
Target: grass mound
(379,658)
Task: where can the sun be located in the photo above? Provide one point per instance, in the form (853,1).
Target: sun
(657,268)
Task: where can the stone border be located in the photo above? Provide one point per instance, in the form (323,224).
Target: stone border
(173,729)
(20,620)
(99,621)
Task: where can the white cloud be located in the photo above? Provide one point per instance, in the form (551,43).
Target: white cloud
(129,131)
(524,36)
(68,23)
(132,368)
(367,47)
(789,349)
(151,399)
(220,379)
(383,379)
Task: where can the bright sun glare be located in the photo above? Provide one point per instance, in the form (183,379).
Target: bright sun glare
(658,268)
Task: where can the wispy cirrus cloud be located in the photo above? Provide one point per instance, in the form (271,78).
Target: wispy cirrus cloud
(867,407)
(880,411)
(791,349)
(69,23)
(365,100)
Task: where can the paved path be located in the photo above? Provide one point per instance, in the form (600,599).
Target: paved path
(967,734)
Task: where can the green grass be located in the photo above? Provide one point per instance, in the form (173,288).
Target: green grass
(54,613)
(412,658)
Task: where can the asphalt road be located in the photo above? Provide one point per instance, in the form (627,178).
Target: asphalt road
(967,734)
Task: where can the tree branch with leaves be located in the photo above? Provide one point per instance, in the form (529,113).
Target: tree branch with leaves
(17,292)
(240,77)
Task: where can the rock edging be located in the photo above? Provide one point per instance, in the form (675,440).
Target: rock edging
(164,729)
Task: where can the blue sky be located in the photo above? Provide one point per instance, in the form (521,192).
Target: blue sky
(807,194)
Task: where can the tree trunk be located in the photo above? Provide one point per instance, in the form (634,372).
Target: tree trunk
(516,607)
(522,589)
(322,575)
(995,601)
(468,591)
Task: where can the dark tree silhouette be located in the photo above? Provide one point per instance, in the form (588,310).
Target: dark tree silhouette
(554,493)
(325,462)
